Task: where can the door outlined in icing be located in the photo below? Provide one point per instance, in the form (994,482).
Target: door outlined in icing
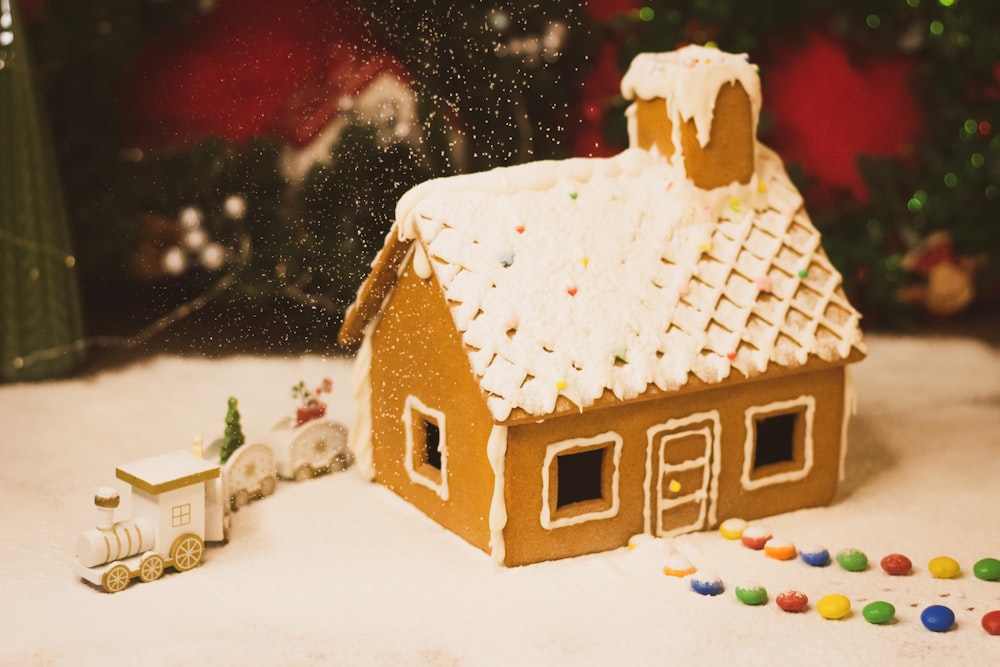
(682,474)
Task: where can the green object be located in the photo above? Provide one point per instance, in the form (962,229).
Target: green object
(987,569)
(757,595)
(878,612)
(853,560)
(41,329)
(233,438)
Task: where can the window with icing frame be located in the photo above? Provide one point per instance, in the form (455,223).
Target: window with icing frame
(580,480)
(779,442)
(426,459)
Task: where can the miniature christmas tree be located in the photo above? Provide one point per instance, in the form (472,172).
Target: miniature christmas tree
(40,321)
(233,438)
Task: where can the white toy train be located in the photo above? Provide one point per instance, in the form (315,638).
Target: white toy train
(177,506)
(181,500)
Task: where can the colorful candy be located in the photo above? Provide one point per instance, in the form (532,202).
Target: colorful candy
(852,560)
(991,622)
(792,601)
(833,606)
(732,529)
(878,612)
(755,537)
(896,564)
(753,596)
(815,555)
(639,540)
(937,618)
(678,566)
(780,549)
(943,567)
(706,584)
(987,569)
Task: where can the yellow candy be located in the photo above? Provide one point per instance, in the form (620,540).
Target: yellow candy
(833,606)
(943,567)
(732,529)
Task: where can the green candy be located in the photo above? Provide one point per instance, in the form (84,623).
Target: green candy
(987,569)
(878,612)
(754,596)
(853,560)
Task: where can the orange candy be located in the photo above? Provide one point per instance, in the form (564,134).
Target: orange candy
(780,549)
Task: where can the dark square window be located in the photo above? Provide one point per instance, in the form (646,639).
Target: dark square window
(432,443)
(775,441)
(580,476)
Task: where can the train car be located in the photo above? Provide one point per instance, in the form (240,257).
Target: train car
(178,504)
(304,450)
(249,472)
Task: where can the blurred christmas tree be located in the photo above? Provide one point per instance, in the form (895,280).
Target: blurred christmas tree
(233,437)
(40,322)
(248,154)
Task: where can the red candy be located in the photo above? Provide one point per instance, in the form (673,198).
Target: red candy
(896,564)
(755,537)
(991,622)
(794,601)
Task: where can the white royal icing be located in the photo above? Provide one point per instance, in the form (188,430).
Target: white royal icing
(496,452)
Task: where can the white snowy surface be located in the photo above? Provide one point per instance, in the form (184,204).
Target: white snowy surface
(337,571)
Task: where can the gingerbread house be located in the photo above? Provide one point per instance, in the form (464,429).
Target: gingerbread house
(560,355)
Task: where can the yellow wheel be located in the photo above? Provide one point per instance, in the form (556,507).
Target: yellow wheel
(150,567)
(187,551)
(115,578)
(303,472)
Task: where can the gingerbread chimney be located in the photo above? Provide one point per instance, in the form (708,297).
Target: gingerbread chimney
(698,107)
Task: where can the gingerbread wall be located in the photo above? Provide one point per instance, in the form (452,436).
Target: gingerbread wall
(417,352)
(528,541)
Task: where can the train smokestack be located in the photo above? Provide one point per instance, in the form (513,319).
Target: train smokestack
(106,500)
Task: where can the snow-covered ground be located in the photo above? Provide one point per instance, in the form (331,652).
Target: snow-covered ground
(337,571)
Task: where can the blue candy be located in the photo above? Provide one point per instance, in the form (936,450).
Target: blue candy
(937,618)
(706,584)
(815,556)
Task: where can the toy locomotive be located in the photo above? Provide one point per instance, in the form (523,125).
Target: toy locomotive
(178,504)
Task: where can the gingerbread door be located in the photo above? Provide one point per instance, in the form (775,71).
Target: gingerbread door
(683,468)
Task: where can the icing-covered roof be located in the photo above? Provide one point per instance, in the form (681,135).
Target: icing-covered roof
(576,277)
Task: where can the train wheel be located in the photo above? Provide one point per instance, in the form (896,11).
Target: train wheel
(303,472)
(150,567)
(187,551)
(267,486)
(241,499)
(115,579)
